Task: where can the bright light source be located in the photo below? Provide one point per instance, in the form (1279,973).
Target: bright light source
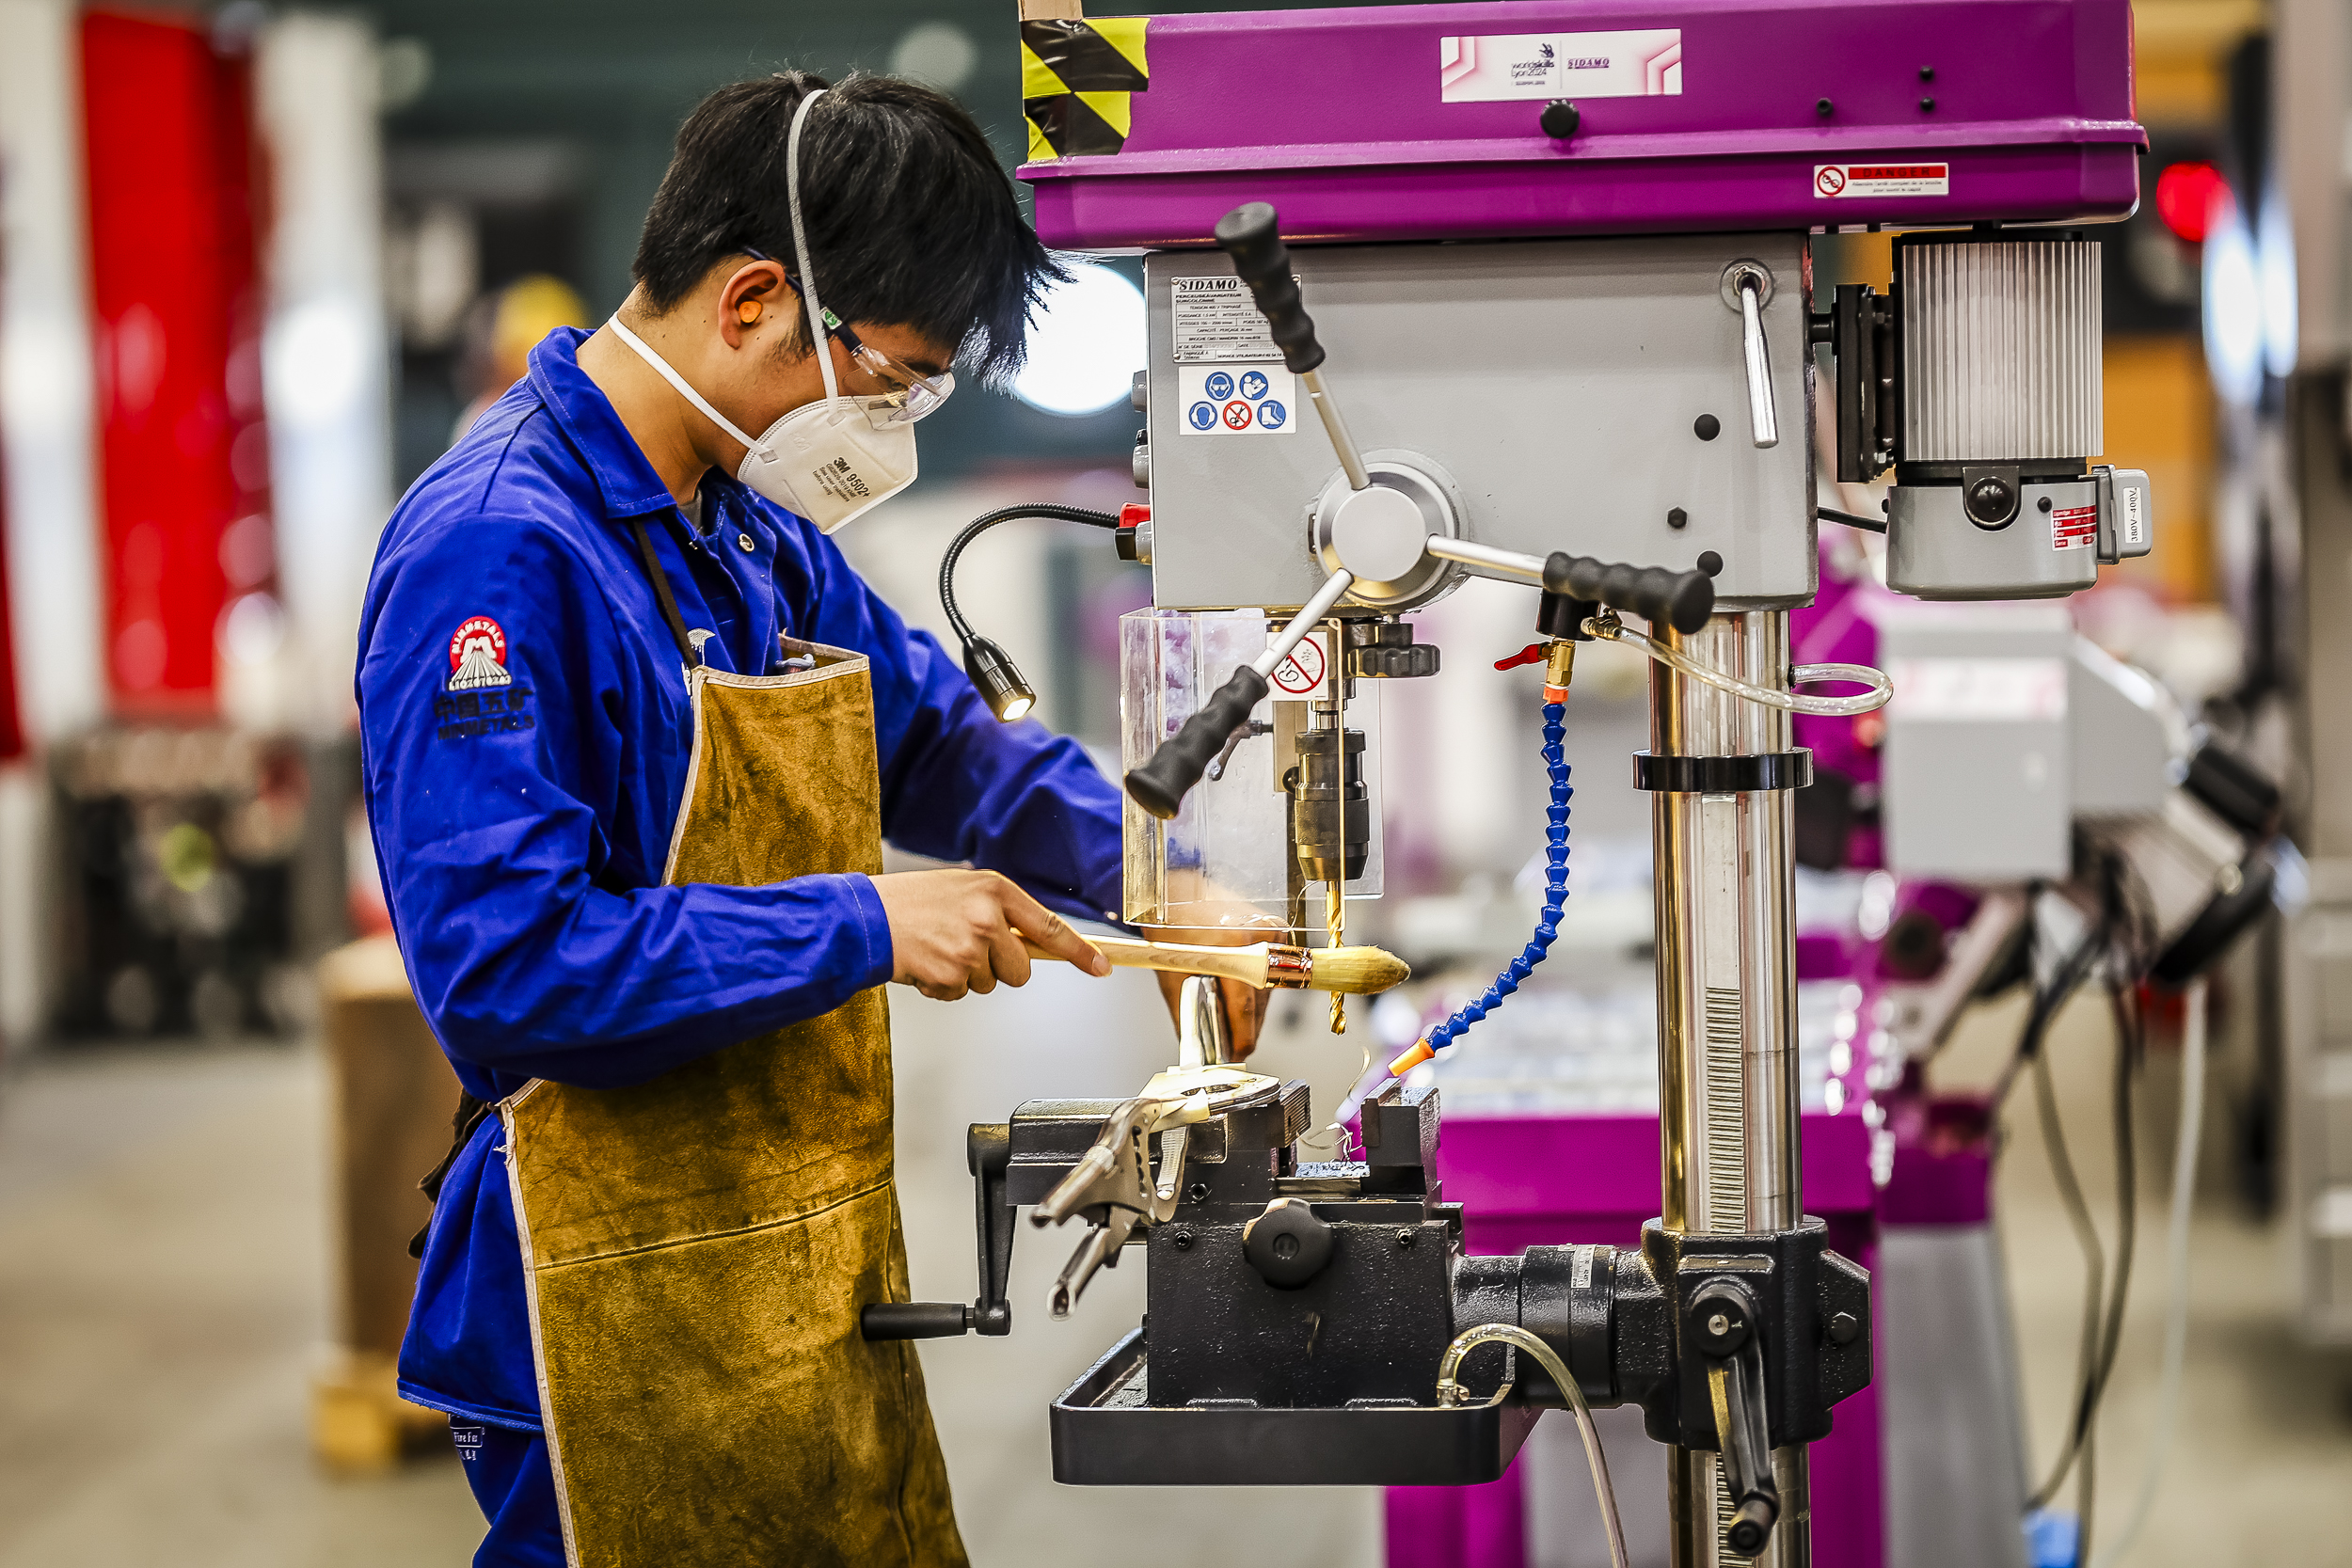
(2185,194)
(2274,252)
(1084,344)
(2234,310)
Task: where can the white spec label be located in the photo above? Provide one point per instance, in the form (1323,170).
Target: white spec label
(1214,319)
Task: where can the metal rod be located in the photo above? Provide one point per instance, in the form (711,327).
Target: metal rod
(1726,1010)
(1351,461)
(1334,588)
(1486,561)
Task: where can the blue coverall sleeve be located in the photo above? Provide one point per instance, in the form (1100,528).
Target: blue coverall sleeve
(532,949)
(958,784)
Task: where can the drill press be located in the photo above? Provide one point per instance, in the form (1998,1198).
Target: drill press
(1523,291)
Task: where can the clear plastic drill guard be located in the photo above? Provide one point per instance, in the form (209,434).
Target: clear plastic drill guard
(1224,860)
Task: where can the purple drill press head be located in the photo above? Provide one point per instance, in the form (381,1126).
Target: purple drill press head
(1433,122)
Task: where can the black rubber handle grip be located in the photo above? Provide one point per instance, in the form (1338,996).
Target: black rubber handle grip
(1682,600)
(1250,236)
(1159,785)
(914,1320)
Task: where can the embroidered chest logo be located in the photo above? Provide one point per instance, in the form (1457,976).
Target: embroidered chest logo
(477,655)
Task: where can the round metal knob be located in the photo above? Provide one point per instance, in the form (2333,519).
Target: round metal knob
(1288,1245)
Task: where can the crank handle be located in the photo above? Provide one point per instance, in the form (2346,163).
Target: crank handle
(1159,785)
(1252,235)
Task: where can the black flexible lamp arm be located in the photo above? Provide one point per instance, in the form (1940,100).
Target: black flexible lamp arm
(1008,696)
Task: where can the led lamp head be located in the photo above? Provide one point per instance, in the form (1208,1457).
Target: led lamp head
(1008,693)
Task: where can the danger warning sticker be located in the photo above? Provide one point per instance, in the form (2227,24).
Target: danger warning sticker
(1235,399)
(2073,528)
(1843,179)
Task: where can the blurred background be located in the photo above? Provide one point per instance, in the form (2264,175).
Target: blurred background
(261,264)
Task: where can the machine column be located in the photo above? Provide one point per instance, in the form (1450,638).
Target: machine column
(1728,1013)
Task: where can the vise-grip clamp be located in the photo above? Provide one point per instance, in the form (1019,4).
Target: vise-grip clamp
(1114,1187)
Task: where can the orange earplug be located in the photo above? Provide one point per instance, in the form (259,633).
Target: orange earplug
(748,311)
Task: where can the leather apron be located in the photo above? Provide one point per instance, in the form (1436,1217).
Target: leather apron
(697,1248)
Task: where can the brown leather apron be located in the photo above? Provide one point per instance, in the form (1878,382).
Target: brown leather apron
(697,1248)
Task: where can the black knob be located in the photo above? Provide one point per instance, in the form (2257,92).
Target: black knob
(1160,785)
(1385,650)
(1682,600)
(1992,501)
(1288,1245)
(1560,120)
(1751,1527)
(1252,235)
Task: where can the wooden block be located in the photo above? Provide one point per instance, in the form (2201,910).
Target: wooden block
(360,1425)
(393,1096)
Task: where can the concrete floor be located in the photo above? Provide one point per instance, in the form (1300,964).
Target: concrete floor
(163,1300)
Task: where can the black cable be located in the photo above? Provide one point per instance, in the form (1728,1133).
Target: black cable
(1867,525)
(2125,929)
(2095,1268)
(982,524)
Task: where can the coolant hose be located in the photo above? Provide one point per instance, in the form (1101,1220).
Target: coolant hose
(1547,924)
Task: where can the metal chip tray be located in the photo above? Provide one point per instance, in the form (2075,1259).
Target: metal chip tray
(1106,1435)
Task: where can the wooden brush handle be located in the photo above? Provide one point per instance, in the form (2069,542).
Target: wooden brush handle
(1246,964)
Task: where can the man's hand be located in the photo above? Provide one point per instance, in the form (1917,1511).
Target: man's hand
(957,931)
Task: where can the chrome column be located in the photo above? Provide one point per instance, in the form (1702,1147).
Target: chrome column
(1728,1013)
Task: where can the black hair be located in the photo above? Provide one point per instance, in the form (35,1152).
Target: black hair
(910,221)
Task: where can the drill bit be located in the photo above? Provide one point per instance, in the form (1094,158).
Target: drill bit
(1334,924)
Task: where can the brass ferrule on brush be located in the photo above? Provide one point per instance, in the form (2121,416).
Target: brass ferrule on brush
(1290,968)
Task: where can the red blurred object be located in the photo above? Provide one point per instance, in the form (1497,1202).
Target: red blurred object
(2185,194)
(183,456)
(1133,512)
(1532,654)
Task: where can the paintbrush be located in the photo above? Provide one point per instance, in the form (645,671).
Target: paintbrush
(1357,971)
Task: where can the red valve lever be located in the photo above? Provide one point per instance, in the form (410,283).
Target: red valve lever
(1532,654)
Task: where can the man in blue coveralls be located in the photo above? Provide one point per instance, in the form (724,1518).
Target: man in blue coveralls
(632,730)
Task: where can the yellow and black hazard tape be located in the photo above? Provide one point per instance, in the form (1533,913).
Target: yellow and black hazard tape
(1076,80)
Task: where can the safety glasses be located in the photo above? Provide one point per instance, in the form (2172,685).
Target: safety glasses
(906,396)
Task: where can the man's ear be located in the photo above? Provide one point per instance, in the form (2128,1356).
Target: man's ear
(753,304)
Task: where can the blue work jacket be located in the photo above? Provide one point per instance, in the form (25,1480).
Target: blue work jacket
(525,738)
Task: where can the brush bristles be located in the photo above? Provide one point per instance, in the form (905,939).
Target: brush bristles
(1357,970)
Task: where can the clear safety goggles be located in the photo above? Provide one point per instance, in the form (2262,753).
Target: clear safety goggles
(906,396)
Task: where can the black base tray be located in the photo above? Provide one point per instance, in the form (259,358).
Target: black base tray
(1105,1435)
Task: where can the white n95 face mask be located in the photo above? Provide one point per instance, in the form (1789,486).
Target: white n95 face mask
(826,460)
(829,461)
